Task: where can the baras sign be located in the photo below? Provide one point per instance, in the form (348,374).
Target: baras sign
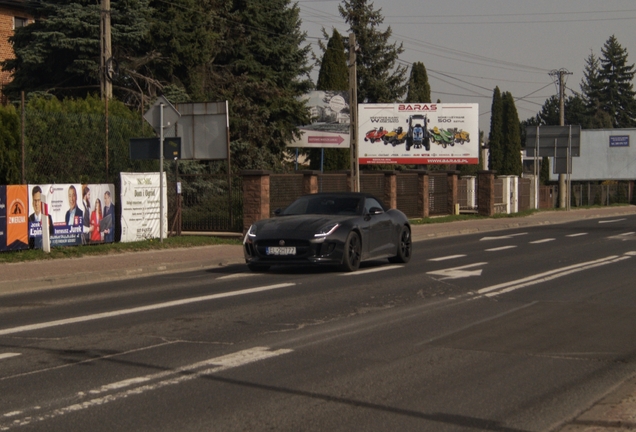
(418,133)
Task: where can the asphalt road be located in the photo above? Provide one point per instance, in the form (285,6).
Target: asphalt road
(505,331)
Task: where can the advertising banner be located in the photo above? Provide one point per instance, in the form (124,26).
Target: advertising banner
(140,206)
(329,128)
(418,133)
(13,218)
(77,213)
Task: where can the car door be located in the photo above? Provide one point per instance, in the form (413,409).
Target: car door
(379,237)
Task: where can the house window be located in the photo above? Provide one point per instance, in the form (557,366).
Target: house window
(19,22)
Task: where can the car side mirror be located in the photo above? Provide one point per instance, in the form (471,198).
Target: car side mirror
(375,211)
(278,211)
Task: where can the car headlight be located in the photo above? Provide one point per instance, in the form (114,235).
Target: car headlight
(252,231)
(326,230)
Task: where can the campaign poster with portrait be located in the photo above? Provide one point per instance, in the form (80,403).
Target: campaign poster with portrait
(77,213)
(418,133)
(13,218)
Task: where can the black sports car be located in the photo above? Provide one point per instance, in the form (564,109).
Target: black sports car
(329,228)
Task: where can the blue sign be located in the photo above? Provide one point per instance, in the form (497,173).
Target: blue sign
(619,141)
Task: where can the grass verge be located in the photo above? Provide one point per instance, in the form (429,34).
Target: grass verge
(114,248)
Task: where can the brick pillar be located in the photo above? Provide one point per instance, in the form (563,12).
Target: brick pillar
(422,194)
(255,196)
(452,182)
(310,182)
(390,189)
(486,192)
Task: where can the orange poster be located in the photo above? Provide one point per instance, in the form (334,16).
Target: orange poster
(17,217)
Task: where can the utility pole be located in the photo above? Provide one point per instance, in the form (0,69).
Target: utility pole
(353,121)
(560,74)
(106,50)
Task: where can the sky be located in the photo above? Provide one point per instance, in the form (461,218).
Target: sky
(471,46)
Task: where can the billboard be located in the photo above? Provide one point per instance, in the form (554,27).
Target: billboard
(418,133)
(77,213)
(140,206)
(13,218)
(329,128)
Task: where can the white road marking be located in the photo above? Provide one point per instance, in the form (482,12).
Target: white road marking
(447,258)
(8,355)
(549,275)
(236,275)
(372,270)
(576,235)
(458,272)
(503,237)
(500,248)
(611,221)
(628,233)
(167,378)
(542,241)
(141,309)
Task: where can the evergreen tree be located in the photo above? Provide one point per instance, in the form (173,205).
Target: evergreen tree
(334,72)
(379,79)
(511,137)
(262,70)
(419,90)
(9,145)
(495,137)
(333,76)
(617,97)
(60,52)
(592,88)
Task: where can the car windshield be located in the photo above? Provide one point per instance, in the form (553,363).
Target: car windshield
(325,205)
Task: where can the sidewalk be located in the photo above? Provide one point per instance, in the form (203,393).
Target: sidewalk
(614,412)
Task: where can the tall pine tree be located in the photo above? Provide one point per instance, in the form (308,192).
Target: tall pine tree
(419,90)
(379,79)
(617,96)
(592,89)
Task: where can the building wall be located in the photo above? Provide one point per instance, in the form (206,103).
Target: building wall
(7,16)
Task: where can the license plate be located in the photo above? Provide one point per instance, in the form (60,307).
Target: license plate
(280,250)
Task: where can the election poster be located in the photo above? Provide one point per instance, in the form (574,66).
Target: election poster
(76,214)
(418,133)
(13,218)
(140,206)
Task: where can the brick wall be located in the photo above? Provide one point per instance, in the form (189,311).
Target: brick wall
(7,14)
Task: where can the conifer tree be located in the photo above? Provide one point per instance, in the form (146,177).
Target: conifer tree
(617,96)
(511,137)
(495,138)
(419,90)
(379,79)
(592,88)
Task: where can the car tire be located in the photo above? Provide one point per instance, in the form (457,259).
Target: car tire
(352,253)
(258,268)
(405,247)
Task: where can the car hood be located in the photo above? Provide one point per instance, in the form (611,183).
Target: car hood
(297,226)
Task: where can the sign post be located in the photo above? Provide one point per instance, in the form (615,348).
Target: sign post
(156,117)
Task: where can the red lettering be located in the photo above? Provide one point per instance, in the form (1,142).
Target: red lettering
(417,107)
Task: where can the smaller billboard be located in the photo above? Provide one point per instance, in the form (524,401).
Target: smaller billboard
(329,128)
(418,133)
(140,206)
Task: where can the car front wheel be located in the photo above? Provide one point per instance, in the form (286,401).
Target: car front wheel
(405,247)
(352,253)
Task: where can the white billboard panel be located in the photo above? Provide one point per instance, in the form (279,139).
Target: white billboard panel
(140,206)
(606,154)
(417,133)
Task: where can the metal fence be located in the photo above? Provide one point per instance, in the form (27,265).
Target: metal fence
(438,194)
